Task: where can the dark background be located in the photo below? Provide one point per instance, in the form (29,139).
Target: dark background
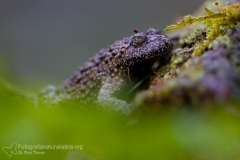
(46,40)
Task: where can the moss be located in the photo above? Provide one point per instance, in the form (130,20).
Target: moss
(178,59)
(221,40)
(197,36)
(216,23)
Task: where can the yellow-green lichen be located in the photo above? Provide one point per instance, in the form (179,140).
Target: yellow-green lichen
(216,23)
(197,36)
(221,40)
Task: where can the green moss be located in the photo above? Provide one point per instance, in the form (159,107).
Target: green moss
(216,23)
(221,40)
(197,36)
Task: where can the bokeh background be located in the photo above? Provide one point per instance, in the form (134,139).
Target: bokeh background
(46,40)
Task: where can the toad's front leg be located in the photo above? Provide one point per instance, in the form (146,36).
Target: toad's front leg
(107,100)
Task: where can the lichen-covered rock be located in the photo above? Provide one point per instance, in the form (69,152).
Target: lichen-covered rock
(212,78)
(216,24)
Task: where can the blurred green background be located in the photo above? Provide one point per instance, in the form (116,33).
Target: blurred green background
(186,133)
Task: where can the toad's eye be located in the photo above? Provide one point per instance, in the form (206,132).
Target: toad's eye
(138,39)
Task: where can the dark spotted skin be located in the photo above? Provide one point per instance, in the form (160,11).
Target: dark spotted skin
(120,65)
